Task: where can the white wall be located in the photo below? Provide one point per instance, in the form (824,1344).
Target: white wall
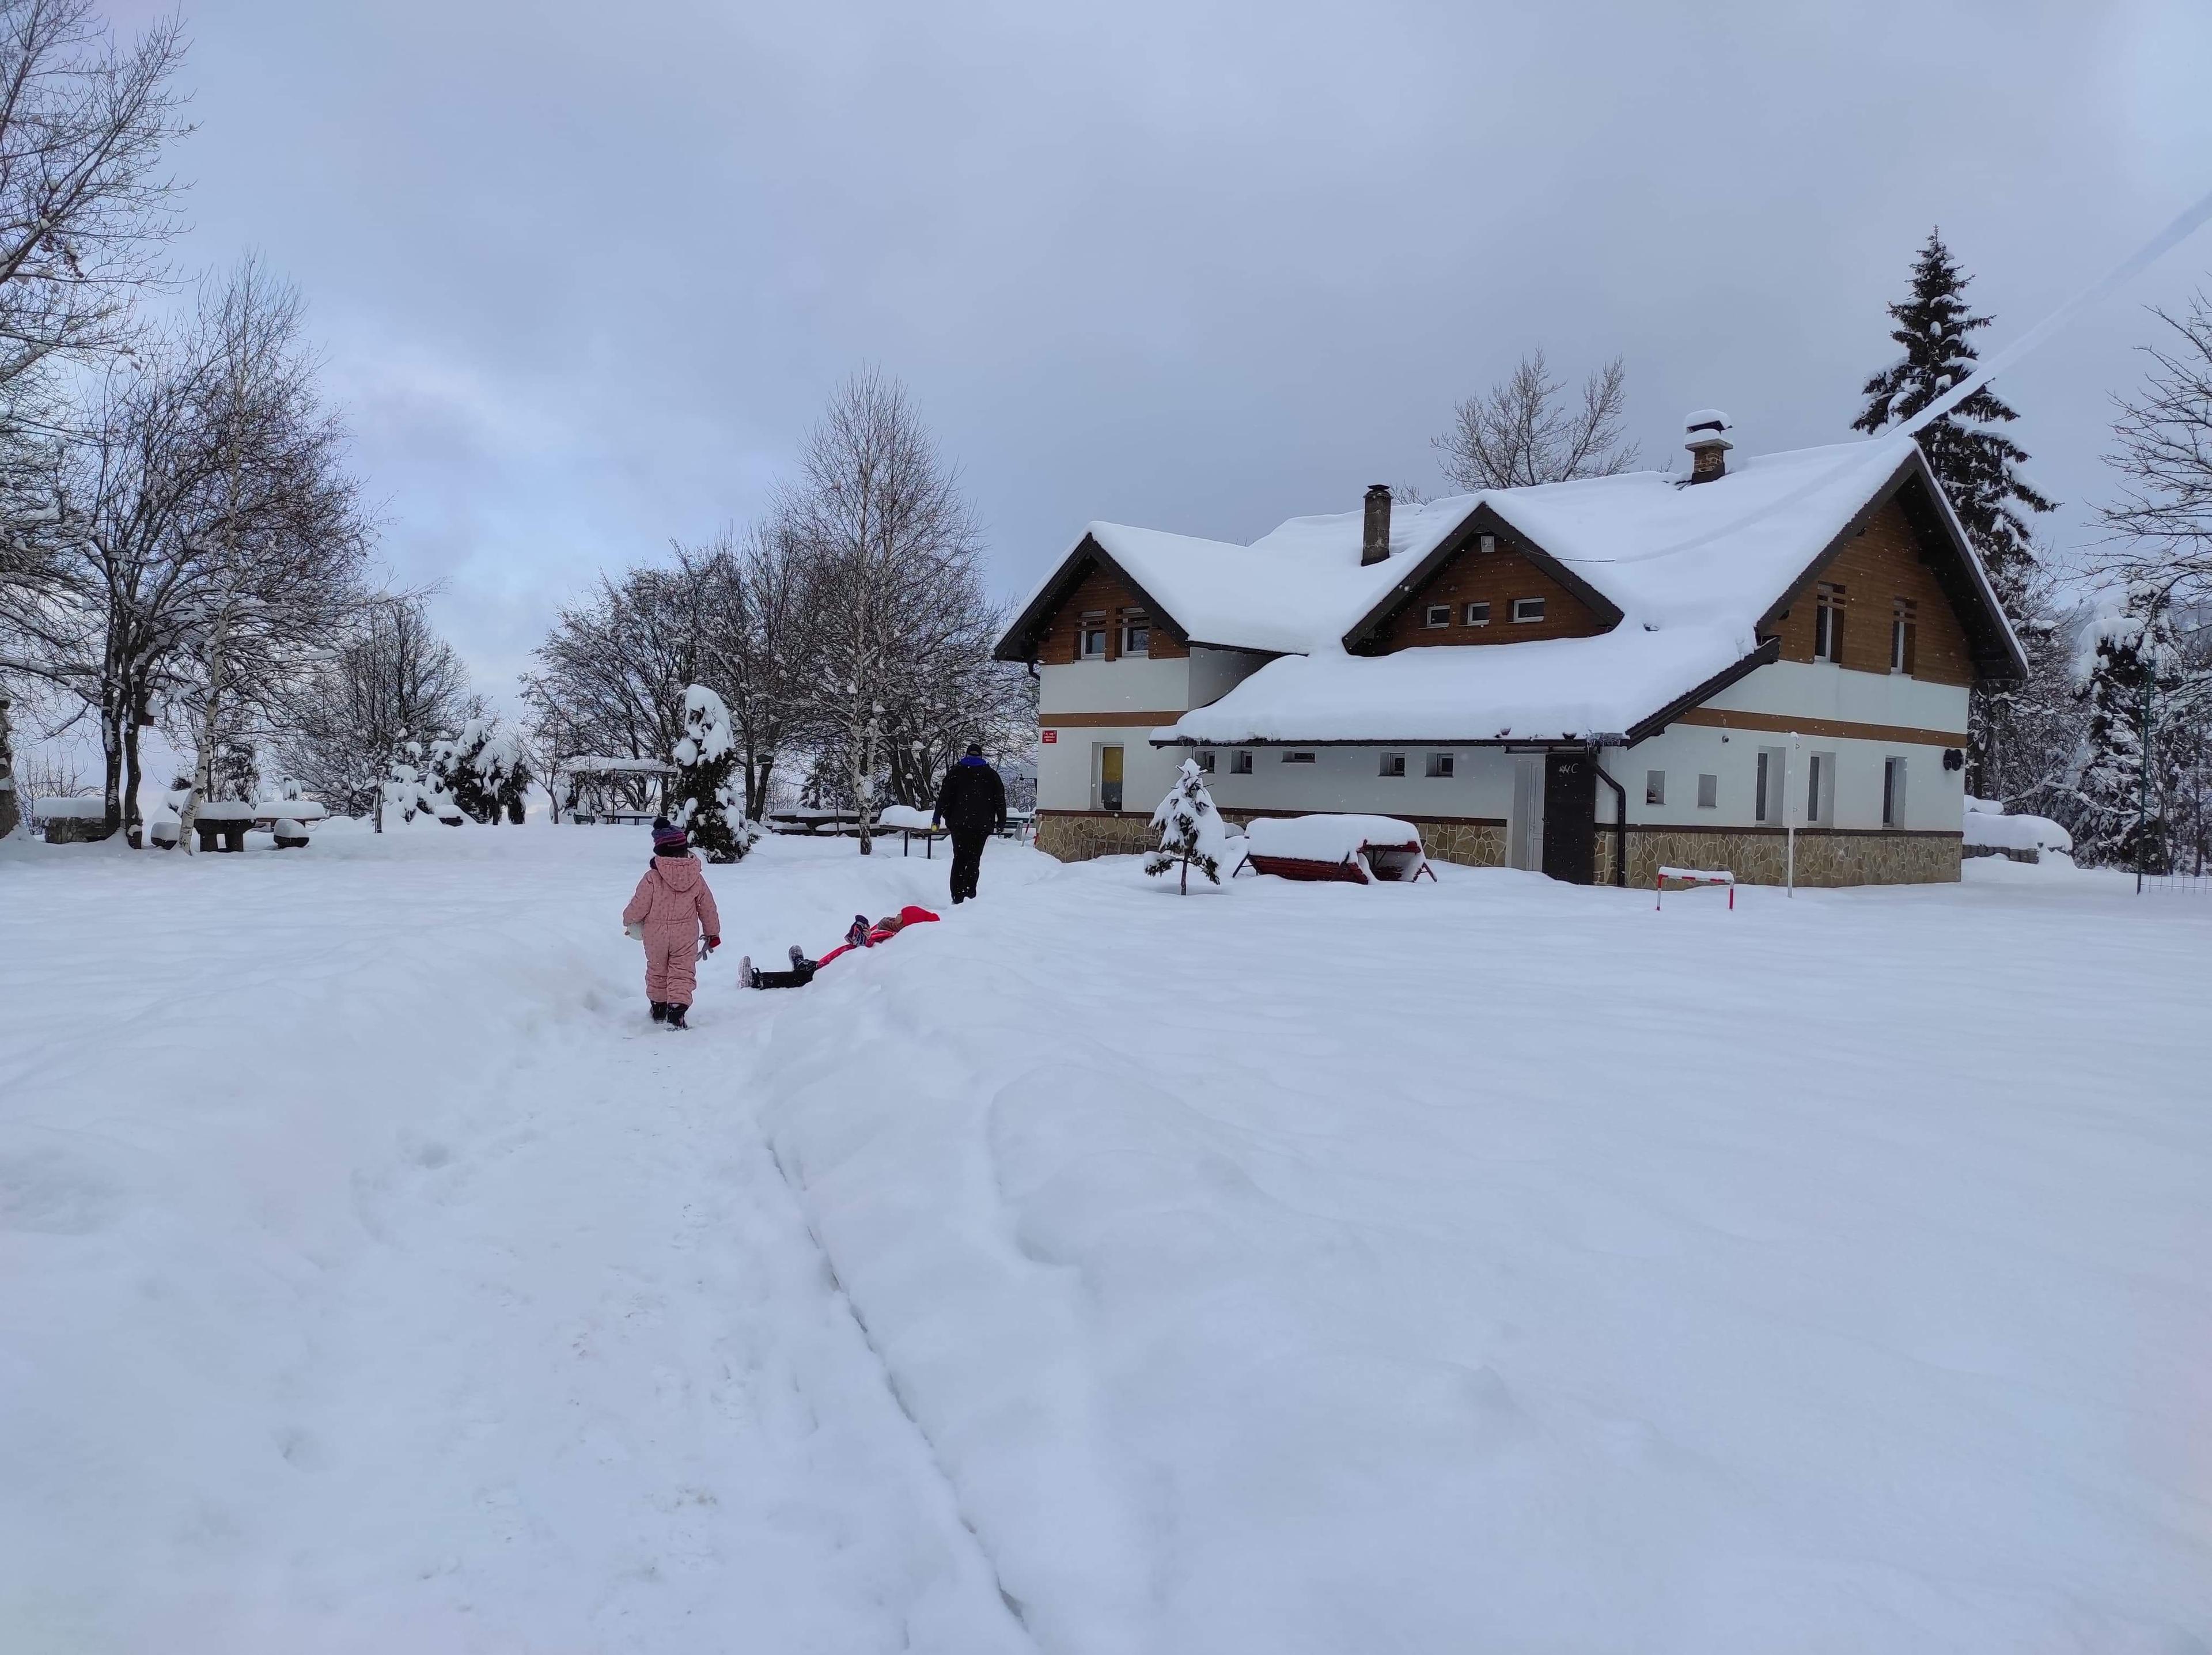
(1934,797)
(1350,779)
(1133,684)
(1215,672)
(1818,689)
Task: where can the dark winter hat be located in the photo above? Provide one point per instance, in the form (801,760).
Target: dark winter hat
(666,837)
(974,749)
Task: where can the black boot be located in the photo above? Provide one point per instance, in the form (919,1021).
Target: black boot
(659,1011)
(675,1016)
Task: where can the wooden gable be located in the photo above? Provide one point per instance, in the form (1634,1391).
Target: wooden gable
(1496,578)
(1104,592)
(1887,561)
(1459,572)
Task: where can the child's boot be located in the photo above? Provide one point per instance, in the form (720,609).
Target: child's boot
(675,1016)
(659,1011)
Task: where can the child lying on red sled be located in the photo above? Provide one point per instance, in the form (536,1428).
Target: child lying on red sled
(862,935)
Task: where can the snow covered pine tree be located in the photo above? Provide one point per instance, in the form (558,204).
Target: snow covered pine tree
(2131,674)
(1978,470)
(1191,833)
(482,768)
(706,803)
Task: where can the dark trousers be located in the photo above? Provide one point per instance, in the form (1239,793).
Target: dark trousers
(967,858)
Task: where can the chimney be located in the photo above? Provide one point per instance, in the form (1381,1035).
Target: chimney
(1708,447)
(1375,536)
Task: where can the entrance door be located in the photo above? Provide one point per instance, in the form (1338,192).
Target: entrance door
(1570,817)
(1110,778)
(1525,834)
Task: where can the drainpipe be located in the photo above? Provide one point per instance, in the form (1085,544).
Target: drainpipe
(1619,818)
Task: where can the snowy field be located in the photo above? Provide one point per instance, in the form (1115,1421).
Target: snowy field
(1490,1265)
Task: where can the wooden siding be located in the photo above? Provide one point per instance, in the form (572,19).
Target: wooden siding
(1101,591)
(1495,578)
(1875,568)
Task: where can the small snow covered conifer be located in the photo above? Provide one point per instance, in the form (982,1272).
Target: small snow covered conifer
(1191,834)
(706,802)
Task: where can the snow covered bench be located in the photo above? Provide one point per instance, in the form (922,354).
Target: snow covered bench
(221,823)
(1990,832)
(906,821)
(71,821)
(1355,849)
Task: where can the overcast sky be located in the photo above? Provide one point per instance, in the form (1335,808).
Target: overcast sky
(585,272)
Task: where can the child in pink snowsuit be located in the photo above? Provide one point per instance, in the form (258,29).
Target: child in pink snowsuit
(671,911)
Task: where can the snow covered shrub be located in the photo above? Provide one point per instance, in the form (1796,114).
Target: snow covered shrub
(1191,834)
(413,790)
(706,802)
(2129,673)
(482,768)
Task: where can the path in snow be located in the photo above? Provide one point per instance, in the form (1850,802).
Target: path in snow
(378,1278)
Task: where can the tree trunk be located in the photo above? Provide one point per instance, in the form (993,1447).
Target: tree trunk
(114,713)
(131,780)
(204,763)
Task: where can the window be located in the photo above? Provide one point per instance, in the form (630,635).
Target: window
(1708,793)
(1655,787)
(1205,761)
(1440,764)
(1092,637)
(1767,803)
(1297,758)
(1136,634)
(1903,636)
(1527,609)
(1438,615)
(1240,763)
(1486,543)
(1110,778)
(1478,614)
(1828,624)
(1394,765)
(1820,788)
(1893,792)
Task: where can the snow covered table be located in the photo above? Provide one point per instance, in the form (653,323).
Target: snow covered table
(1355,849)
(1990,832)
(906,821)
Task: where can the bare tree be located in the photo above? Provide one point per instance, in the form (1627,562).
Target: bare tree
(890,545)
(393,684)
(1521,431)
(279,530)
(755,641)
(2162,520)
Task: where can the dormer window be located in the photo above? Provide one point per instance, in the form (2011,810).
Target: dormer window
(1090,635)
(1136,633)
(1478,614)
(1527,609)
(1438,615)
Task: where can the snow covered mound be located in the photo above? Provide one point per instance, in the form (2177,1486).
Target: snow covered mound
(1987,827)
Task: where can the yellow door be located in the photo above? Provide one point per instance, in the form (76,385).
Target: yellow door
(1110,778)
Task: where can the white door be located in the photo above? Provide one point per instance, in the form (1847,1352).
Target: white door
(1524,833)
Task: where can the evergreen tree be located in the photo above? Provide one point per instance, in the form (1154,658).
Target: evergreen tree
(1978,468)
(706,802)
(1191,833)
(2131,676)
(236,773)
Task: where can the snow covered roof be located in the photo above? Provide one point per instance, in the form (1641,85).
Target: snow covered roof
(1691,576)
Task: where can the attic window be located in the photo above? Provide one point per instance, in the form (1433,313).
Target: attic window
(1527,609)
(1904,639)
(1486,543)
(1478,614)
(1136,633)
(1090,635)
(1828,624)
(1438,615)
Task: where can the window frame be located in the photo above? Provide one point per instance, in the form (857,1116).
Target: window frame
(1524,615)
(1895,777)
(1829,603)
(1240,762)
(1655,788)
(1440,767)
(1476,613)
(1205,757)
(1435,617)
(1391,765)
(1093,623)
(1903,636)
(1297,755)
(1709,791)
(1133,623)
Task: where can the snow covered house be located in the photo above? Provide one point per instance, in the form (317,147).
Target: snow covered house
(1593,678)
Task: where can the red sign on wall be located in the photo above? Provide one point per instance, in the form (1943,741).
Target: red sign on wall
(1050,736)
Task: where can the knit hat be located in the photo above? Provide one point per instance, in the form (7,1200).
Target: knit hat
(665,835)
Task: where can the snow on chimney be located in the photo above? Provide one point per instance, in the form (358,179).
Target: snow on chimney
(1375,534)
(1708,447)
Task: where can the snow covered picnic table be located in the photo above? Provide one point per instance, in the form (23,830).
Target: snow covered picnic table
(906,821)
(1356,849)
(1685,878)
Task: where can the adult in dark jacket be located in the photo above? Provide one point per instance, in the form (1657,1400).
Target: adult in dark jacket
(972,803)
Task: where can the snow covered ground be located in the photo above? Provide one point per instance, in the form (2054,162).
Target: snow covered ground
(1485,1265)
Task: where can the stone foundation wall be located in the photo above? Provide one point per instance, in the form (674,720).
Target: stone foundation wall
(1760,857)
(76,830)
(1471,844)
(1078,839)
